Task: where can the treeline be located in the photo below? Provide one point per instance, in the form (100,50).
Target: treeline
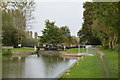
(100,24)
(15,19)
(57,35)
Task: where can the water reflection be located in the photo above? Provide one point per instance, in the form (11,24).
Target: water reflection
(34,66)
(12,66)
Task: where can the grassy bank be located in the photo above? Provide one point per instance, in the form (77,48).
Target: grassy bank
(89,67)
(92,67)
(23,49)
(111,60)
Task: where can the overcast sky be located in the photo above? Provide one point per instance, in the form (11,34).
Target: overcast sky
(63,13)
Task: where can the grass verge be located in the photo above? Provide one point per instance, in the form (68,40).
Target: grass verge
(23,49)
(92,67)
(89,67)
(111,61)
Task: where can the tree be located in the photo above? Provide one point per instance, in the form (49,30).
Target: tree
(14,21)
(85,34)
(65,31)
(74,40)
(9,32)
(105,21)
(51,34)
(101,19)
(66,36)
(55,35)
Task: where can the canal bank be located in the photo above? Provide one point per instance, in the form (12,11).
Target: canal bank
(18,51)
(49,52)
(89,67)
(94,67)
(60,74)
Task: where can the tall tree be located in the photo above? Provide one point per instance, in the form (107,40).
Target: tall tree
(14,21)
(102,20)
(85,34)
(51,33)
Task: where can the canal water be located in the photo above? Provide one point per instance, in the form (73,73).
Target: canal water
(32,66)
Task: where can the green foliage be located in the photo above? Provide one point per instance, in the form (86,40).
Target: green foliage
(55,35)
(15,20)
(29,41)
(9,32)
(85,34)
(65,31)
(100,22)
(73,40)
(51,33)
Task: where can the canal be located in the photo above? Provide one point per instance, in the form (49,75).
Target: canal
(32,66)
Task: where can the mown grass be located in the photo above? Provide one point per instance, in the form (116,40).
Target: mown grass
(6,51)
(89,67)
(23,49)
(111,61)
(11,51)
(92,67)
